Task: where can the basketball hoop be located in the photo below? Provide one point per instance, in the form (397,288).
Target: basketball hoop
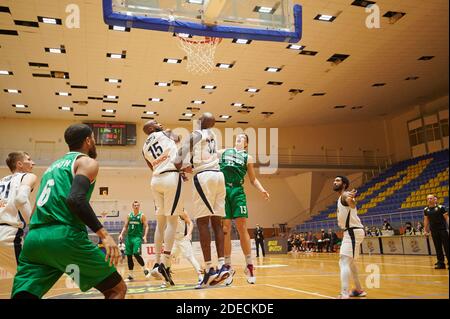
(200,53)
(104,214)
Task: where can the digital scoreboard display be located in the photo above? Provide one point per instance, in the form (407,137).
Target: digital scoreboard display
(114,133)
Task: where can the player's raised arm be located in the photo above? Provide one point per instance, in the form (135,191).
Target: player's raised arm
(348,198)
(255,182)
(186,148)
(174,137)
(22,200)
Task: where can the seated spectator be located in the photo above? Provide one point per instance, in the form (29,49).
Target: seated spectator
(376,231)
(368,231)
(333,241)
(315,243)
(303,241)
(419,228)
(297,243)
(409,230)
(290,243)
(389,231)
(323,241)
(386,225)
(309,241)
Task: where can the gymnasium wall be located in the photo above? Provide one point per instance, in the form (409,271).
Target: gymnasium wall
(397,129)
(294,196)
(46,137)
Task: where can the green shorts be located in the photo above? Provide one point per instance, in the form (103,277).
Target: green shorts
(50,251)
(235,203)
(133,245)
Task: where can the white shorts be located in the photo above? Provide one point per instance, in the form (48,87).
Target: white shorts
(182,247)
(10,247)
(166,190)
(209,194)
(351,242)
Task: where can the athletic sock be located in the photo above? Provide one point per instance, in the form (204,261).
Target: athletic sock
(221,262)
(166,260)
(208,265)
(248,259)
(228,260)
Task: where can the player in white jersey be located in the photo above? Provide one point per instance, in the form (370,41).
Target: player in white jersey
(183,245)
(348,220)
(15,207)
(209,195)
(159,152)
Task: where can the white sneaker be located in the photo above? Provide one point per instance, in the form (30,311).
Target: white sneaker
(164,285)
(249,272)
(229,280)
(155,273)
(358,293)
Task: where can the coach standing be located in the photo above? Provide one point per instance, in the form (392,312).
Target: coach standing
(436,216)
(259,240)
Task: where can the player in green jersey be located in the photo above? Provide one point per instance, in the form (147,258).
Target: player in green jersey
(137,229)
(235,163)
(58,242)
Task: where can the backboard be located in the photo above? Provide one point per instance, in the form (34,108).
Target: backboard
(265,20)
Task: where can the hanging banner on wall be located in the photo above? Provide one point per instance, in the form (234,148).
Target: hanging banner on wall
(392,245)
(371,246)
(415,245)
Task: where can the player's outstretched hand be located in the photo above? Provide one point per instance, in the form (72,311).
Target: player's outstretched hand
(144,239)
(352,193)
(266,195)
(112,250)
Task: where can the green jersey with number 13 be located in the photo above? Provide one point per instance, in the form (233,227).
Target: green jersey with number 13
(51,205)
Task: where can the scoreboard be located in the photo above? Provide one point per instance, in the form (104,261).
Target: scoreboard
(114,133)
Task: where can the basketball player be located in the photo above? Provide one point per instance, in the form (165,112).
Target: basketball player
(209,195)
(159,151)
(235,164)
(58,241)
(15,207)
(137,229)
(183,245)
(348,220)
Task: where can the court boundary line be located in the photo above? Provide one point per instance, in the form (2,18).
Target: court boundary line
(301,291)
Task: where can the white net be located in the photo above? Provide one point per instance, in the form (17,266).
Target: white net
(200,53)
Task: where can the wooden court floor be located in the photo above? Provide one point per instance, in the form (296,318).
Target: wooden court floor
(297,276)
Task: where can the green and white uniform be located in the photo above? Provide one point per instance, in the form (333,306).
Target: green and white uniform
(135,233)
(58,242)
(233,165)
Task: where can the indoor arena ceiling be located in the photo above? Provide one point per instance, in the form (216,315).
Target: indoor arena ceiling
(313,90)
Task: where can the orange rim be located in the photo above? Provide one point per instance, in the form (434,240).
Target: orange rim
(207,40)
